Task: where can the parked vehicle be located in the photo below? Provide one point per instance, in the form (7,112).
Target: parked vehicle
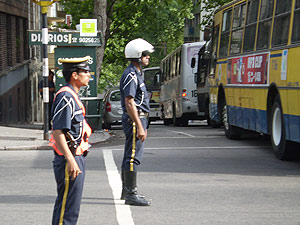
(112,112)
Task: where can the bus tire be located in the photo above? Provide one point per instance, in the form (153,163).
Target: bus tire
(231,132)
(184,122)
(176,122)
(167,121)
(278,139)
(213,123)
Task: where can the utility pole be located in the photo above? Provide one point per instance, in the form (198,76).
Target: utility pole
(44,4)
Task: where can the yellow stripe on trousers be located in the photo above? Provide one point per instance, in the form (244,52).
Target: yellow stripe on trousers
(133,145)
(63,207)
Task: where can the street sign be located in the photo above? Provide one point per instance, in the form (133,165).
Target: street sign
(88,27)
(44,3)
(64,39)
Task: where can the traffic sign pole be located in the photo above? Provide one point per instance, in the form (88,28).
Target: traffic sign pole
(45,73)
(44,4)
(84,45)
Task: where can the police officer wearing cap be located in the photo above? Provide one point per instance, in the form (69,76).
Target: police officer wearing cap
(135,105)
(69,140)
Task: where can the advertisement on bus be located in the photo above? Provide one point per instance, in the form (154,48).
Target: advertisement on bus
(248,70)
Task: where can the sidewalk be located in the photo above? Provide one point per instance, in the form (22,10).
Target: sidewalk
(32,138)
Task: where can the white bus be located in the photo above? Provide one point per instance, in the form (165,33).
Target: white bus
(152,84)
(178,92)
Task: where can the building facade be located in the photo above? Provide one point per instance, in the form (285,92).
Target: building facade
(20,64)
(193,30)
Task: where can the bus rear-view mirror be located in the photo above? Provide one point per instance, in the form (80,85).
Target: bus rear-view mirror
(193,62)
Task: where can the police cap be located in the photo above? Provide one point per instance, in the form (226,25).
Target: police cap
(76,63)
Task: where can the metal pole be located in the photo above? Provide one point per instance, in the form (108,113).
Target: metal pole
(45,72)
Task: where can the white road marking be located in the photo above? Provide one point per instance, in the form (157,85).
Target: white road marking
(208,147)
(123,211)
(185,137)
(183,133)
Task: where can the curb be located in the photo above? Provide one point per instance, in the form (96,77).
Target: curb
(106,136)
(40,147)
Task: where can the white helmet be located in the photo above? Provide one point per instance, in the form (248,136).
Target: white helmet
(136,47)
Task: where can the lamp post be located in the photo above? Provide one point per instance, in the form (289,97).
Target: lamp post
(44,4)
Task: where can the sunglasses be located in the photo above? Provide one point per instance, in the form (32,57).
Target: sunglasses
(145,54)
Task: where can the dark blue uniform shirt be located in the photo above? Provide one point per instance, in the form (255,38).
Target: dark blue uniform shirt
(67,114)
(132,84)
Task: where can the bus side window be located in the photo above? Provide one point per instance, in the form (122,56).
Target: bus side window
(214,53)
(178,63)
(265,24)
(202,65)
(163,72)
(250,29)
(167,70)
(239,14)
(225,33)
(282,22)
(173,65)
(296,26)
(215,41)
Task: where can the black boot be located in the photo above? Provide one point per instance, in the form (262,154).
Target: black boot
(123,185)
(131,195)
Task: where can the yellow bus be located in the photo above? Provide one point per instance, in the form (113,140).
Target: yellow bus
(255,70)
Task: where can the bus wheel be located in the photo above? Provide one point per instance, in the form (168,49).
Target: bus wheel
(184,122)
(167,121)
(176,121)
(231,132)
(213,124)
(278,140)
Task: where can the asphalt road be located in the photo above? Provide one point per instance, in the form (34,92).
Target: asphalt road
(194,175)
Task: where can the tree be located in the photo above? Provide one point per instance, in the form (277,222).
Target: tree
(160,22)
(209,7)
(78,9)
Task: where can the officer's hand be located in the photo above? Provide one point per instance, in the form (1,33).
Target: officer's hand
(73,169)
(142,134)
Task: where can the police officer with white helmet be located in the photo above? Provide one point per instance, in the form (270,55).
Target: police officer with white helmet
(135,105)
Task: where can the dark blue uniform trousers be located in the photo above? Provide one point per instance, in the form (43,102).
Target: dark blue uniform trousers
(134,148)
(69,192)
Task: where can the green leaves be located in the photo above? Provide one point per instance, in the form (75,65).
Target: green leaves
(79,9)
(209,7)
(160,22)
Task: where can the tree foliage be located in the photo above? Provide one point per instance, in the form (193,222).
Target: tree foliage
(78,9)
(160,22)
(210,6)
